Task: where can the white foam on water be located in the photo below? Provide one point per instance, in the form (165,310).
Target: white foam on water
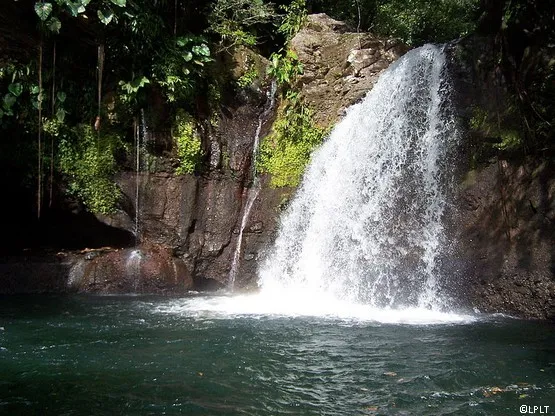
(302,304)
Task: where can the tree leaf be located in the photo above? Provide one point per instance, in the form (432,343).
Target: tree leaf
(43,10)
(61,96)
(187,56)
(9,101)
(120,3)
(16,89)
(140,82)
(75,8)
(105,16)
(54,24)
(201,50)
(204,50)
(61,115)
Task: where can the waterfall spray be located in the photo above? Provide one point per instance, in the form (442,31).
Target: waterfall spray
(366,223)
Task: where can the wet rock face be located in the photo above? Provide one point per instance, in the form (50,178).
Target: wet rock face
(339,66)
(504,237)
(196,218)
(260,232)
(502,223)
(150,269)
(166,206)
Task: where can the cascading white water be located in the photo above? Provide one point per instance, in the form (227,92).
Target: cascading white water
(365,226)
(254,190)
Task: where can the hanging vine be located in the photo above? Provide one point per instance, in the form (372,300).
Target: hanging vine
(100,71)
(53,113)
(39,155)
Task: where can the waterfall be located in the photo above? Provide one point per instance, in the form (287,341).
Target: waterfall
(254,190)
(365,226)
(141,132)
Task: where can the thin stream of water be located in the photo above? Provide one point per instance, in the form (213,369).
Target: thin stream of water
(254,190)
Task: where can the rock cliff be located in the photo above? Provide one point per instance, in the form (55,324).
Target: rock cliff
(196,219)
(501,223)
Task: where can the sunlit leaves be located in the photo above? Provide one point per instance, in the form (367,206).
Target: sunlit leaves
(43,10)
(188,143)
(201,50)
(285,66)
(47,13)
(75,8)
(235,21)
(88,162)
(105,16)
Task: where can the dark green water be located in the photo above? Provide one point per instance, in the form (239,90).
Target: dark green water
(140,355)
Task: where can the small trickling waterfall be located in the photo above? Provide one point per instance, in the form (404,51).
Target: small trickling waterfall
(254,190)
(133,267)
(366,226)
(137,146)
(141,131)
(133,262)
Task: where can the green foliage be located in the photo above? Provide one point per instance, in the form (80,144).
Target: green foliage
(129,91)
(248,77)
(528,63)
(420,21)
(284,67)
(19,92)
(187,141)
(414,21)
(88,162)
(179,64)
(43,10)
(235,21)
(47,12)
(294,19)
(214,96)
(285,153)
(498,129)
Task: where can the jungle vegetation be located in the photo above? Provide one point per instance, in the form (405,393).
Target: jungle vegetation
(76,74)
